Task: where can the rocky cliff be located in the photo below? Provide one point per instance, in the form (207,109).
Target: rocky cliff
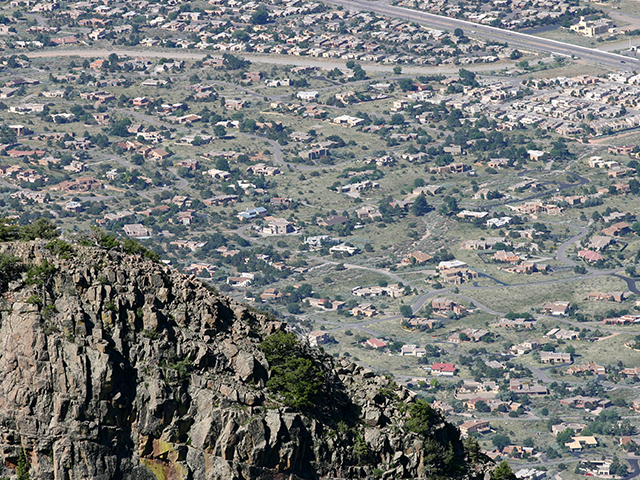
(113,366)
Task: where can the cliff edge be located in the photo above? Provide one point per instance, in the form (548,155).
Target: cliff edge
(113,366)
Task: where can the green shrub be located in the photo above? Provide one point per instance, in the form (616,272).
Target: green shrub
(22,470)
(132,247)
(7,232)
(41,228)
(443,449)
(295,374)
(11,268)
(60,248)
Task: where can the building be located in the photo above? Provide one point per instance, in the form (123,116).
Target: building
(368,212)
(617,229)
(412,350)
(590,28)
(422,323)
(347,121)
(577,442)
(376,343)
(332,220)
(393,291)
(599,243)
(158,153)
(366,310)
(441,306)
(136,230)
(457,276)
(239,281)
(606,297)
(317,338)
(508,257)
(621,150)
(74,207)
(444,369)
(263,169)
(562,334)
(278,226)
(589,367)
(623,320)
(451,168)
(474,426)
(556,308)
(416,257)
(468,335)
(343,248)
(525,388)
(523,348)
(231,104)
(517,323)
(252,213)
(307,96)
(561,427)
(553,357)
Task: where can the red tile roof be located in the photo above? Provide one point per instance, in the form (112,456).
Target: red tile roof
(444,367)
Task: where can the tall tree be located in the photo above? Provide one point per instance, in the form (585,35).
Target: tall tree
(420,206)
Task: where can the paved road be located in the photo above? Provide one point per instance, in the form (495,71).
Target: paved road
(560,187)
(562,249)
(448,291)
(631,283)
(38,18)
(540,374)
(584,54)
(380,271)
(264,58)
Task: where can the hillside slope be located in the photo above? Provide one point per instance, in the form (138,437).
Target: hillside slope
(112,366)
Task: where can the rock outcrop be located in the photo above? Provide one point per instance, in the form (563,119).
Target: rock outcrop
(112,366)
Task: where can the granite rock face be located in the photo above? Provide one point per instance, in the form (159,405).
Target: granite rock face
(114,367)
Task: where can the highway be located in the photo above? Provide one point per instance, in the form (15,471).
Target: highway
(521,40)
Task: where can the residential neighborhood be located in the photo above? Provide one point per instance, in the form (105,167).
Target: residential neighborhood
(455,211)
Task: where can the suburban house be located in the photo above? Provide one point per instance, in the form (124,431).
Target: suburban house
(590,256)
(375,343)
(278,226)
(524,388)
(517,323)
(417,257)
(136,230)
(239,281)
(441,306)
(366,310)
(578,442)
(553,357)
(317,338)
(561,427)
(445,369)
(412,350)
(617,229)
(474,426)
(523,348)
(605,297)
(589,367)
(556,308)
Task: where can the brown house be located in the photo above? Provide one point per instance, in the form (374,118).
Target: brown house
(158,153)
(617,229)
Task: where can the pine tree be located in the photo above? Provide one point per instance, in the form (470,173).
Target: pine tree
(22,470)
(503,472)
(420,206)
